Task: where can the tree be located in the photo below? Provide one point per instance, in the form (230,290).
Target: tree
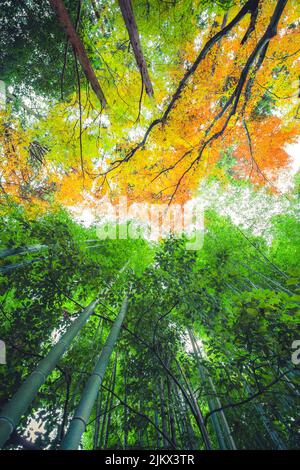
(203,357)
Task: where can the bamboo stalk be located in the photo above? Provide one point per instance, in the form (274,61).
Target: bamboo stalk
(17,406)
(85,406)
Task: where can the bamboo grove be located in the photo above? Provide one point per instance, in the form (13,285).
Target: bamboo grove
(138,342)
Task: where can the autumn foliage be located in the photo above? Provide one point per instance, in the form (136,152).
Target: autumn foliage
(86,149)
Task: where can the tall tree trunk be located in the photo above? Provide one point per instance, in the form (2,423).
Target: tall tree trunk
(180,430)
(191,437)
(211,406)
(111,402)
(163,413)
(21,249)
(98,419)
(105,416)
(88,361)
(95,9)
(220,425)
(272,434)
(170,412)
(141,430)
(2,95)
(224,21)
(180,417)
(66,22)
(157,424)
(83,410)
(197,411)
(99,395)
(155,395)
(12,267)
(125,445)
(12,412)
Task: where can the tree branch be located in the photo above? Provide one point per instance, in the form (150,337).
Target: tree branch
(246,400)
(66,22)
(247,8)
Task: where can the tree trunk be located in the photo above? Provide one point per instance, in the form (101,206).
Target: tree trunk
(111,402)
(273,435)
(125,445)
(170,410)
(197,411)
(66,22)
(163,413)
(190,434)
(83,410)
(181,422)
(99,395)
(128,16)
(2,95)
(12,267)
(17,406)
(104,420)
(98,418)
(220,425)
(96,11)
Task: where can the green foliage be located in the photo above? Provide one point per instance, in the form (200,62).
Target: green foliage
(243,309)
(204,329)
(38,66)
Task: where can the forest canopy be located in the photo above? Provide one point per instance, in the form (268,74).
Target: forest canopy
(136,341)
